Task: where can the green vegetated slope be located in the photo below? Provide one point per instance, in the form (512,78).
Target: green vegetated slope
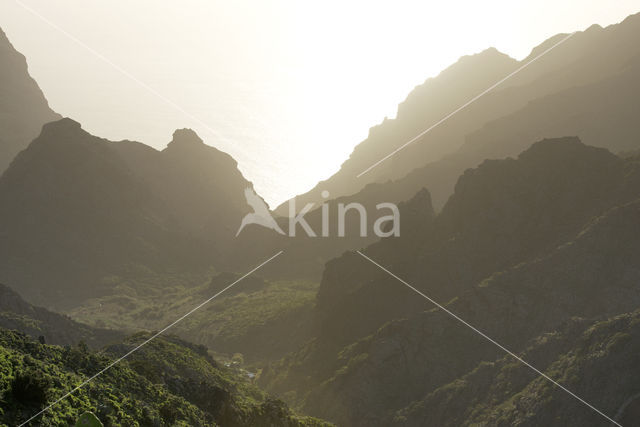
(35,374)
(260,319)
(597,361)
(53,328)
(522,247)
(167,382)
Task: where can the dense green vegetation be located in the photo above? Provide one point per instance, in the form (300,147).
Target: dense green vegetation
(50,327)
(34,374)
(262,320)
(168,382)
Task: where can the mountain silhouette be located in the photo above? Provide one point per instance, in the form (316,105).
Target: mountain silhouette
(586,89)
(588,59)
(23,107)
(76,209)
(425,105)
(201,186)
(571,92)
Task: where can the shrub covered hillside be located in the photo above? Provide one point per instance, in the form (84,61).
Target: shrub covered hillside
(263,320)
(596,360)
(167,383)
(53,328)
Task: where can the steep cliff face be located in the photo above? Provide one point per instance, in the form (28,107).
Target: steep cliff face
(23,107)
(567,295)
(592,276)
(502,213)
(595,361)
(587,87)
(424,106)
(584,87)
(521,247)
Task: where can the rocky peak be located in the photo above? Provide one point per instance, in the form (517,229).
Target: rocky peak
(188,146)
(420,203)
(61,128)
(185,138)
(564,149)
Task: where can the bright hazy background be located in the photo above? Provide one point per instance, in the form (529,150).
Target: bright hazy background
(286,87)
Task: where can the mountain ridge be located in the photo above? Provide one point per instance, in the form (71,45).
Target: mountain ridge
(586,58)
(561,211)
(76,208)
(23,107)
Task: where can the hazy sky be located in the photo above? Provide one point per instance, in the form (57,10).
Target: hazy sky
(286,87)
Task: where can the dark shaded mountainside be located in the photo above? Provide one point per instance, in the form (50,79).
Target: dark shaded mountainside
(23,107)
(590,76)
(167,382)
(76,209)
(538,252)
(79,213)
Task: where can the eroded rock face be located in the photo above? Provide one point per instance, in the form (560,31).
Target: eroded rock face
(593,276)
(523,246)
(23,107)
(504,212)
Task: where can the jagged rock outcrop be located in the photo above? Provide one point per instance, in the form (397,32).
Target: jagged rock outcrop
(502,213)
(521,247)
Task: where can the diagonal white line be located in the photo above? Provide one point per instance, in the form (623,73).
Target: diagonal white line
(115,362)
(122,71)
(465,105)
(497,344)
